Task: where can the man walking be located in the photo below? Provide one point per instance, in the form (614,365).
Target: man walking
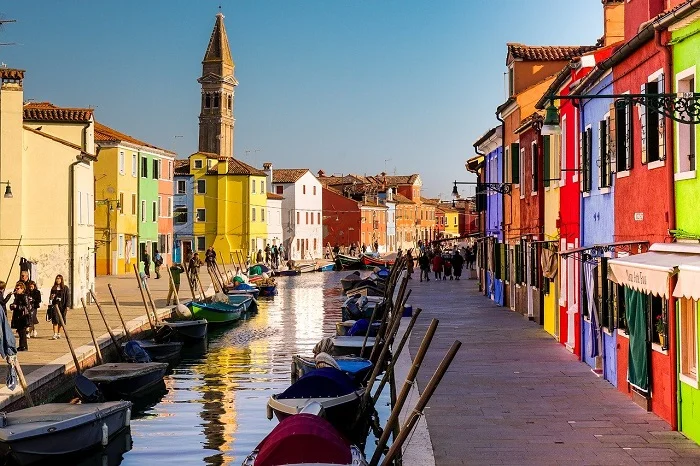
(157,263)
(175,271)
(147,264)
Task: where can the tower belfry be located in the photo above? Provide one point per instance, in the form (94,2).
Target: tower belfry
(216,122)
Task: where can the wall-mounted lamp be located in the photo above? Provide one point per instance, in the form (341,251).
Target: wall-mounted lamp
(8,190)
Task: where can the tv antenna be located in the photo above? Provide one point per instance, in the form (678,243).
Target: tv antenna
(4,21)
(248,151)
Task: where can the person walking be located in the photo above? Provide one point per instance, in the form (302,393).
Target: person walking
(175,270)
(21,314)
(193,270)
(35,295)
(157,263)
(447,268)
(424,263)
(437,266)
(275,256)
(457,264)
(364,248)
(268,254)
(59,296)
(147,264)
(259,256)
(208,257)
(409,264)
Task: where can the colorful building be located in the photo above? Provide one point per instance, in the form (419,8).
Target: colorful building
(341,219)
(183,211)
(275,230)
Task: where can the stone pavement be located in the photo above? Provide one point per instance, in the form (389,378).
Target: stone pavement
(49,360)
(514,395)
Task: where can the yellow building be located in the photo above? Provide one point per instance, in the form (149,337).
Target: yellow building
(451,220)
(46,155)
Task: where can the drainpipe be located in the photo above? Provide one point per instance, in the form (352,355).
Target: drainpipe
(672,350)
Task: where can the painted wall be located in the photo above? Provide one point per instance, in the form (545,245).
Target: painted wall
(183,231)
(148,192)
(257,223)
(165,220)
(494,200)
(405,225)
(390,227)
(274,221)
(342,219)
(551,233)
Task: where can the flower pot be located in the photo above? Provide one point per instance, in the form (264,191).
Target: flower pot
(662,340)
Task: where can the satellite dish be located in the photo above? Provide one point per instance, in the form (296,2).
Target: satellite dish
(110,190)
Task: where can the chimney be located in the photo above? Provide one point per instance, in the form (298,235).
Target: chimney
(321,173)
(613,21)
(267,168)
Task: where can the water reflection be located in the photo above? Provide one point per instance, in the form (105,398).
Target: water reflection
(215,409)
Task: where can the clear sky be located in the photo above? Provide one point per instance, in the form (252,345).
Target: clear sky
(349,86)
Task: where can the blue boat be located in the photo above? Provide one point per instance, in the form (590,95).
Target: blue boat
(358,369)
(246,300)
(326,268)
(268,290)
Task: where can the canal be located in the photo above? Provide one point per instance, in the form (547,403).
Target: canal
(214,411)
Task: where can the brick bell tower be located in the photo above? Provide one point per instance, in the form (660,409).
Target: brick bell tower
(216,120)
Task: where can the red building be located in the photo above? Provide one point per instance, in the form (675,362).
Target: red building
(342,219)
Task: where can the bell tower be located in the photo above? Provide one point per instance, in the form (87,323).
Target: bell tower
(216,120)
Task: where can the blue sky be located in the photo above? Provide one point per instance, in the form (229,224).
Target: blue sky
(349,86)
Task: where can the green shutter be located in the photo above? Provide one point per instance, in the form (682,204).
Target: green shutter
(515,162)
(497,260)
(517,264)
(546,155)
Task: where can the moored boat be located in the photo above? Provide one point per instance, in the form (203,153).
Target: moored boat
(186,331)
(289,273)
(367,289)
(358,369)
(168,352)
(375,261)
(216,313)
(352,345)
(268,290)
(56,430)
(329,267)
(247,301)
(348,262)
(126,380)
(349,281)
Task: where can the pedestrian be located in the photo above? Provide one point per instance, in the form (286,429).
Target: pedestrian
(457,264)
(193,269)
(208,257)
(364,248)
(283,253)
(175,270)
(376,246)
(259,256)
(34,293)
(21,314)
(213,256)
(267,254)
(147,264)
(409,264)
(24,278)
(157,263)
(437,266)
(275,256)
(424,263)
(447,268)
(59,297)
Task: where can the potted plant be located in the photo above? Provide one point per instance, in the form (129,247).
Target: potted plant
(660,330)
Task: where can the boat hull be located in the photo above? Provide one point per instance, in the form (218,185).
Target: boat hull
(371,262)
(268,290)
(352,346)
(288,273)
(54,439)
(247,301)
(216,314)
(358,369)
(186,331)
(127,381)
(161,352)
(348,262)
(326,268)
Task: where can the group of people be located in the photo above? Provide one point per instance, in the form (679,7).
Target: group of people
(157,263)
(24,302)
(445,264)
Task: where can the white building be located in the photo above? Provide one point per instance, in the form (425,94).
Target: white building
(387,199)
(274,219)
(302,211)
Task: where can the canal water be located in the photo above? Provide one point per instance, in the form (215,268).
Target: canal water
(214,411)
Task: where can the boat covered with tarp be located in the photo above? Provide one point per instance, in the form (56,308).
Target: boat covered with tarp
(127,380)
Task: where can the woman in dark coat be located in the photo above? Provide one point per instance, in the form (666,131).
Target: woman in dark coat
(59,297)
(21,314)
(34,293)
(457,264)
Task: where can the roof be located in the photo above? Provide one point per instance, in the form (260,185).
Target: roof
(61,141)
(105,134)
(401,199)
(218,49)
(397,180)
(527,122)
(274,196)
(46,111)
(372,204)
(236,167)
(518,51)
(182,167)
(429,201)
(288,175)
(488,135)
(11,73)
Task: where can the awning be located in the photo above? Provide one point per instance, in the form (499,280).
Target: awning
(688,285)
(648,272)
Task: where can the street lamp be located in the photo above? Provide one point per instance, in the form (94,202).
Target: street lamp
(8,190)
(503,188)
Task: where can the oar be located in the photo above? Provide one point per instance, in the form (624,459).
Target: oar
(119,312)
(65,332)
(172,283)
(143,298)
(109,330)
(201,287)
(153,304)
(92,334)
(22,381)
(214,281)
(189,281)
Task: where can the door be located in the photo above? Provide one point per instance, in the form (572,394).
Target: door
(303,249)
(511,261)
(528,280)
(571,301)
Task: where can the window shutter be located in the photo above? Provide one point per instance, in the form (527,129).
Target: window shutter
(517,263)
(662,124)
(582,160)
(506,263)
(515,162)
(601,156)
(546,149)
(496,260)
(533,265)
(643,122)
(589,158)
(629,160)
(612,142)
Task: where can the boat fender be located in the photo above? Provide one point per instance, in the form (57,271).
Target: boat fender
(105,434)
(127,420)
(269,413)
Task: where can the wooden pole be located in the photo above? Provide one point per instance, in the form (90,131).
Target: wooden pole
(189,281)
(369,328)
(422,403)
(405,390)
(172,283)
(201,287)
(390,369)
(109,330)
(92,334)
(143,298)
(153,304)
(65,332)
(23,382)
(119,312)
(214,281)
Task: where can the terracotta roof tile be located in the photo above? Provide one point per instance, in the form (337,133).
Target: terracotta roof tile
(235,167)
(274,196)
(401,199)
(182,167)
(105,134)
(547,52)
(46,111)
(11,73)
(527,122)
(288,175)
(429,201)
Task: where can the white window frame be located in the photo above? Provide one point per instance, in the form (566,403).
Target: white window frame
(169,212)
(196,214)
(143,211)
(203,239)
(134,165)
(606,136)
(688,334)
(197,191)
(122,163)
(160,206)
(198,164)
(154,212)
(521,169)
(679,175)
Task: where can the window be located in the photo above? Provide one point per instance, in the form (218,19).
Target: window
(653,125)
(262,186)
(506,161)
(143,211)
(181,187)
(201,215)
(170,169)
(585,163)
(207,101)
(133,204)
(121,203)
(160,209)
(216,100)
(230,101)
(298,217)
(262,215)
(314,195)
(658,308)
(533,168)
(198,164)
(144,167)
(122,163)
(201,243)
(604,179)
(120,246)
(279,189)
(307,218)
(169,212)
(201,186)
(134,165)
(299,243)
(621,133)
(687,133)
(303,189)
(511,82)
(180,214)
(253,181)
(156,169)
(312,218)
(521,170)
(253,215)
(315,244)
(154,211)
(689,339)
(318,217)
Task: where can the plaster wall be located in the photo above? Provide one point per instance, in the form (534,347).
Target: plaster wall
(183,231)
(494,200)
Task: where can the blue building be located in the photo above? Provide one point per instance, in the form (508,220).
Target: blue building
(599,337)
(183,211)
(490,147)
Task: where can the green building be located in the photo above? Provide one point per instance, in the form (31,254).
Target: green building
(149,173)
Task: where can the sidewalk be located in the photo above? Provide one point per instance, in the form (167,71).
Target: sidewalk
(48,363)
(514,395)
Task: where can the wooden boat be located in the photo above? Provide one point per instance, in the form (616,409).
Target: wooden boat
(351,345)
(186,331)
(306,268)
(168,352)
(329,387)
(359,307)
(305,439)
(368,289)
(127,380)
(268,290)
(55,430)
(253,291)
(289,273)
(358,369)
(350,281)
(329,267)
(348,262)
(372,261)
(247,301)
(216,313)
(352,327)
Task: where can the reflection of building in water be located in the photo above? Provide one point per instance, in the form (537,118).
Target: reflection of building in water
(308,314)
